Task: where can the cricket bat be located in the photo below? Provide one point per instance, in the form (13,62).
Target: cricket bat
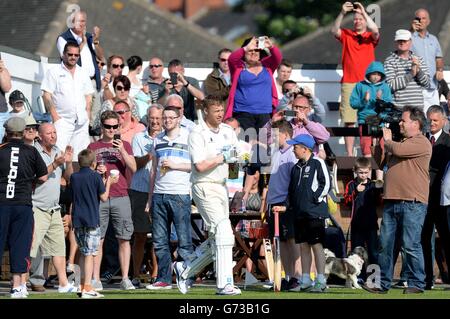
(277,257)
(269,258)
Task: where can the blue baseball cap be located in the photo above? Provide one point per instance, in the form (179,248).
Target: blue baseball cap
(303,139)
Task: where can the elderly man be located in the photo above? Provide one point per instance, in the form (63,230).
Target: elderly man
(406,73)
(140,185)
(90,50)
(67,97)
(20,166)
(358,51)
(436,215)
(48,224)
(427,46)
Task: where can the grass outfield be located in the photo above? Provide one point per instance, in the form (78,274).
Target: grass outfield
(209,293)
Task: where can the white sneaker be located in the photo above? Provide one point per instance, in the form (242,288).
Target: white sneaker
(96,285)
(67,288)
(24,289)
(17,293)
(229,290)
(182,284)
(319,287)
(92,294)
(126,284)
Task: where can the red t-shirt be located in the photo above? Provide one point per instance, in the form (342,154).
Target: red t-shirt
(113,160)
(357,53)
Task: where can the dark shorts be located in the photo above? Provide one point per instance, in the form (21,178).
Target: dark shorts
(311,231)
(141,220)
(286,221)
(16,231)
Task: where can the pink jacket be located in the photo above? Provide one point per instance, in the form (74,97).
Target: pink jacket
(236,63)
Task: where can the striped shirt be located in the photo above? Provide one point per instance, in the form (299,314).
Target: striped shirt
(176,150)
(407,89)
(142,144)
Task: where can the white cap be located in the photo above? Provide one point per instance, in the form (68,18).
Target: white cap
(402,34)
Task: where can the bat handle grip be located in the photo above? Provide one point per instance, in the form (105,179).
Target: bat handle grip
(277,224)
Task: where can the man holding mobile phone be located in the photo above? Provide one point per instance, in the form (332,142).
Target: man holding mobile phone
(187,87)
(427,46)
(117,155)
(358,51)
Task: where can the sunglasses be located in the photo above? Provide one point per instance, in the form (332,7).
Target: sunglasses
(359,38)
(73,54)
(30,128)
(151,66)
(115,66)
(101,63)
(253,51)
(121,88)
(108,127)
(121,112)
(223,60)
(177,107)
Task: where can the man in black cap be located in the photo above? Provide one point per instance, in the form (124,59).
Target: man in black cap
(20,166)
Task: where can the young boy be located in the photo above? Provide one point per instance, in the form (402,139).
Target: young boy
(308,189)
(362,195)
(87,188)
(364,97)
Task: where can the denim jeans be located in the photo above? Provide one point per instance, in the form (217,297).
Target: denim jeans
(168,209)
(406,218)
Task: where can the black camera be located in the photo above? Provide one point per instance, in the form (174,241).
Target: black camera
(387,116)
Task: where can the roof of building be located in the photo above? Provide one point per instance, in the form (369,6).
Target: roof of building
(24,23)
(132,27)
(228,23)
(321,47)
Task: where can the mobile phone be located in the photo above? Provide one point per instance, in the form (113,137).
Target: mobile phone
(116,137)
(290,113)
(173,78)
(261,43)
(417,19)
(355,6)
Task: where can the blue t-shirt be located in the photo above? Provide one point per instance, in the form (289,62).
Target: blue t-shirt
(254,93)
(86,187)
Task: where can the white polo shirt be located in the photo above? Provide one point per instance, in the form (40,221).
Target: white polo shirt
(204,144)
(68,92)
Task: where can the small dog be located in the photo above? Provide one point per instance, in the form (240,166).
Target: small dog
(346,268)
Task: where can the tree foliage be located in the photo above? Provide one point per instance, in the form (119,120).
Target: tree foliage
(286,20)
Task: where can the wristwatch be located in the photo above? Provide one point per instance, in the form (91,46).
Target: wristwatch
(96,42)
(187,84)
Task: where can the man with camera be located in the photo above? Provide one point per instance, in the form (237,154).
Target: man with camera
(358,51)
(115,156)
(427,46)
(405,202)
(185,86)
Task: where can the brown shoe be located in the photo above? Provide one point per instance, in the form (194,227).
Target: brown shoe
(374,290)
(413,290)
(37,288)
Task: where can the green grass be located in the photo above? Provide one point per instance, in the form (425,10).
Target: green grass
(209,293)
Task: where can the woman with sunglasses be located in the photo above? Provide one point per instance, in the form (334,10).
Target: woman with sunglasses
(121,85)
(115,66)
